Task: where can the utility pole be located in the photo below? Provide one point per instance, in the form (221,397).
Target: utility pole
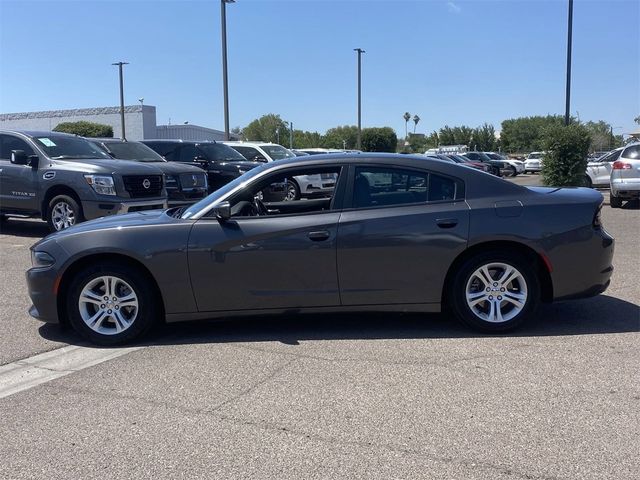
(290,134)
(120,64)
(359,139)
(569,36)
(225,84)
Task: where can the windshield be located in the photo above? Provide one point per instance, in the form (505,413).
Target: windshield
(220,151)
(534,156)
(222,191)
(132,151)
(494,156)
(62,147)
(276,152)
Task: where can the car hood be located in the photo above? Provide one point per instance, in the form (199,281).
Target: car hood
(174,168)
(105,166)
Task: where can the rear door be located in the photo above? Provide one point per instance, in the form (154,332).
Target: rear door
(401,233)
(604,166)
(18,183)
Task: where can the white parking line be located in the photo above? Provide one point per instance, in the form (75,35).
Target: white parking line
(33,371)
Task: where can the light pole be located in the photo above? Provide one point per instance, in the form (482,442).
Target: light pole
(416,119)
(359,138)
(120,64)
(569,36)
(225,85)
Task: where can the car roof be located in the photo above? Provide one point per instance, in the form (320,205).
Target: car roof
(177,140)
(40,133)
(240,143)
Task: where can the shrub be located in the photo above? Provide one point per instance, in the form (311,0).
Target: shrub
(565,162)
(379,139)
(85,129)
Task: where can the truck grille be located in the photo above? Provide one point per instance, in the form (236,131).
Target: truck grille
(143,185)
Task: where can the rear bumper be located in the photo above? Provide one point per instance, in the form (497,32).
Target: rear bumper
(583,267)
(97,209)
(625,188)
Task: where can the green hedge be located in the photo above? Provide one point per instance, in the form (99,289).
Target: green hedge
(565,162)
(85,129)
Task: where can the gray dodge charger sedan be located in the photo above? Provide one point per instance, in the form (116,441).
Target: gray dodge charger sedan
(397,233)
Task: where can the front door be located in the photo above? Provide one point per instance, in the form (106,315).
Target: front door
(403,230)
(18,183)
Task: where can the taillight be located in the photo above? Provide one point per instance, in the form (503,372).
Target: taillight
(597,220)
(620,165)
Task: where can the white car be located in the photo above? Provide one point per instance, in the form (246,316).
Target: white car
(300,186)
(599,170)
(625,176)
(533,162)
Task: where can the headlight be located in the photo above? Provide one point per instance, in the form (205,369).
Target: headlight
(41,259)
(171,181)
(102,184)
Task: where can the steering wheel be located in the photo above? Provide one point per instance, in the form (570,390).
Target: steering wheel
(259,207)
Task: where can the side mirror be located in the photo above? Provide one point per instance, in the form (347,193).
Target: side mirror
(18,157)
(223,211)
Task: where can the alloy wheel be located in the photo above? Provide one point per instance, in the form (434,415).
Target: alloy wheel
(108,305)
(62,216)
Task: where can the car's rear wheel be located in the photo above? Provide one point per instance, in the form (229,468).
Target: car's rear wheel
(586,181)
(615,202)
(495,291)
(111,304)
(511,171)
(63,212)
(293,190)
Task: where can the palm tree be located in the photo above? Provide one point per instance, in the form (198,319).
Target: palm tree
(407,117)
(416,119)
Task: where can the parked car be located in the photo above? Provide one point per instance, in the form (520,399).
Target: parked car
(185,183)
(533,163)
(221,162)
(470,163)
(496,167)
(515,166)
(299,187)
(399,233)
(598,171)
(65,179)
(625,176)
(298,153)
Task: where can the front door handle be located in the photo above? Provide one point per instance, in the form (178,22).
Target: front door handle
(447,222)
(318,236)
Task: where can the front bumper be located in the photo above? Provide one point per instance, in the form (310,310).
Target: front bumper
(101,208)
(41,284)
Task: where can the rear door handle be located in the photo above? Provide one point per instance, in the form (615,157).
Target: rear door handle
(318,236)
(447,222)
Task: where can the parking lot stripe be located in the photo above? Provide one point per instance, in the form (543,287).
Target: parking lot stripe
(33,371)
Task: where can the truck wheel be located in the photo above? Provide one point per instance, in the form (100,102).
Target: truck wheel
(63,212)
(111,303)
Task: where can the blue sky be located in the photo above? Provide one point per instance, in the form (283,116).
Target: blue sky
(450,62)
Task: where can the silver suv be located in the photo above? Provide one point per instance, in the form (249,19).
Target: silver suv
(319,185)
(625,176)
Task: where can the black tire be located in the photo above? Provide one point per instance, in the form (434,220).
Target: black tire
(586,181)
(615,202)
(145,316)
(71,207)
(465,277)
(293,190)
(512,171)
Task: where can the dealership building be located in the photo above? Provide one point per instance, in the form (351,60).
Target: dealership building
(139,122)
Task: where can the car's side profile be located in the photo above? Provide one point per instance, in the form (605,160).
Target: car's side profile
(599,170)
(399,233)
(624,182)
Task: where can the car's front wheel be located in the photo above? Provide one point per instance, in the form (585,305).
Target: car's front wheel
(495,291)
(293,191)
(615,202)
(111,304)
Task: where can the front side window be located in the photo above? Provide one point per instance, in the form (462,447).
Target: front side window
(277,152)
(389,186)
(220,152)
(9,143)
(247,152)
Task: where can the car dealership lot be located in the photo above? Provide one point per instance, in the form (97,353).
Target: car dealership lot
(403,396)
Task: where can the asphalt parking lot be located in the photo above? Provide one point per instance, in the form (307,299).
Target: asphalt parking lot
(340,396)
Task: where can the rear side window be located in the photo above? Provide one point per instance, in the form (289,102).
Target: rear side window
(632,152)
(388,186)
(166,149)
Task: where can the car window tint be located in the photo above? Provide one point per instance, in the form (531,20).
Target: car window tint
(187,153)
(387,186)
(9,142)
(441,188)
(632,152)
(246,152)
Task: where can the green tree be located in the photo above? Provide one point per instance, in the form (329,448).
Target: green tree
(462,135)
(305,139)
(85,129)
(484,138)
(446,136)
(525,134)
(379,139)
(418,143)
(433,140)
(566,159)
(345,136)
(602,137)
(264,129)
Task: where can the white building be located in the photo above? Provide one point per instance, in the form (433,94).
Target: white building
(139,122)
